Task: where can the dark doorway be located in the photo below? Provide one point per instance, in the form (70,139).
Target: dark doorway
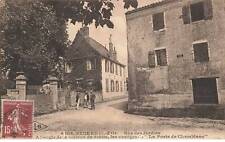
(205,91)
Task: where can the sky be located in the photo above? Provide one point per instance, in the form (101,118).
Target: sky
(119,33)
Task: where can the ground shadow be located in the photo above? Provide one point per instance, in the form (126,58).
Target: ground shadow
(120,106)
(192,112)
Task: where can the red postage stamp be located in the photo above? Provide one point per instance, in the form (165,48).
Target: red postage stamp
(17,119)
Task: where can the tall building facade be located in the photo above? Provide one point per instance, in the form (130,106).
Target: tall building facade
(177,47)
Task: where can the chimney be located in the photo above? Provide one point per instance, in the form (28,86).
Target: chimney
(110,44)
(114,53)
(112,50)
(84,31)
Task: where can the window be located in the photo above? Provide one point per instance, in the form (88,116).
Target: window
(121,86)
(106,66)
(157,58)
(201,53)
(151,59)
(116,69)
(112,86)
(107,85)
(91,64)
(68,67)
(120,71)
(112,67)
(161,57)
(88,65)
(197,11)
(158,21)
(117,86)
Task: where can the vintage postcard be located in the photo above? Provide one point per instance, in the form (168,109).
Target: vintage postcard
(112,69)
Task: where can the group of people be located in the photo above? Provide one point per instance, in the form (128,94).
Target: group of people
(45,89)
(85,98)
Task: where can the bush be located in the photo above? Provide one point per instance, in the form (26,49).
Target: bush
(6,84)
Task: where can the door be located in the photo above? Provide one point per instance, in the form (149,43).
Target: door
(205,91)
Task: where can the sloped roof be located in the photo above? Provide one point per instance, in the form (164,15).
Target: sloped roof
(153,4)
(96,46)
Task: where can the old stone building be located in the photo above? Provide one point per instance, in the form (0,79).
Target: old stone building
(176,47)
(88,60)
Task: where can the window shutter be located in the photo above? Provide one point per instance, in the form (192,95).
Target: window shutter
(186,15)
(158,21)
(198,53)
(208,9)
(201,53)
(151,59)
(163,57)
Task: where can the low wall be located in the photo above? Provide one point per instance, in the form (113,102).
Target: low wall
(62,99)
(42,103)
(160,101)
(174,105)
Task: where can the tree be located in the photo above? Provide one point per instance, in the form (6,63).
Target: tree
(88,11)
(34,40)
(34,33)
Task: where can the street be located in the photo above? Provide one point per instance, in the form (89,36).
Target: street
(110,117)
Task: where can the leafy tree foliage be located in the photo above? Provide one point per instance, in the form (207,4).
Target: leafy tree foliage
(33,32)
(34,39)
(87,12)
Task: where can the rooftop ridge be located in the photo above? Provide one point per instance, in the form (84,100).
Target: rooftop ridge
(152,5)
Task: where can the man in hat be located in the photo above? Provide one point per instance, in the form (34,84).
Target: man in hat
(79,91)
(92,99)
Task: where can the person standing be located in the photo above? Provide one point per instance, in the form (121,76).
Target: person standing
(86,99)
(92,99)
(68,96)
(78,96)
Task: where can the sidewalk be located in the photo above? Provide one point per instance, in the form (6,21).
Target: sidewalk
(114,98)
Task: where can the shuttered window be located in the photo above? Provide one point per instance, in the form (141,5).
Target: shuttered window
(186,15)
(116,69)
(161,57)
(151,59)
(111,67)
(120,71)
(197,11)
(208,9)
(157,57)
(117,86)
(201,53)
(121,86)
(112,86)
(107,85)
(158,21)
(91,64)
(106,66)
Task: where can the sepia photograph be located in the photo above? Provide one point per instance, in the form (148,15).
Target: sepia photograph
(112,69)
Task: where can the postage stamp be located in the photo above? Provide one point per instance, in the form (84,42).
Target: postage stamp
(17,119)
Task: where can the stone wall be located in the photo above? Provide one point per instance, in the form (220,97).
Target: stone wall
(42,103)
(174,105)
(56,100)
(162,101)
